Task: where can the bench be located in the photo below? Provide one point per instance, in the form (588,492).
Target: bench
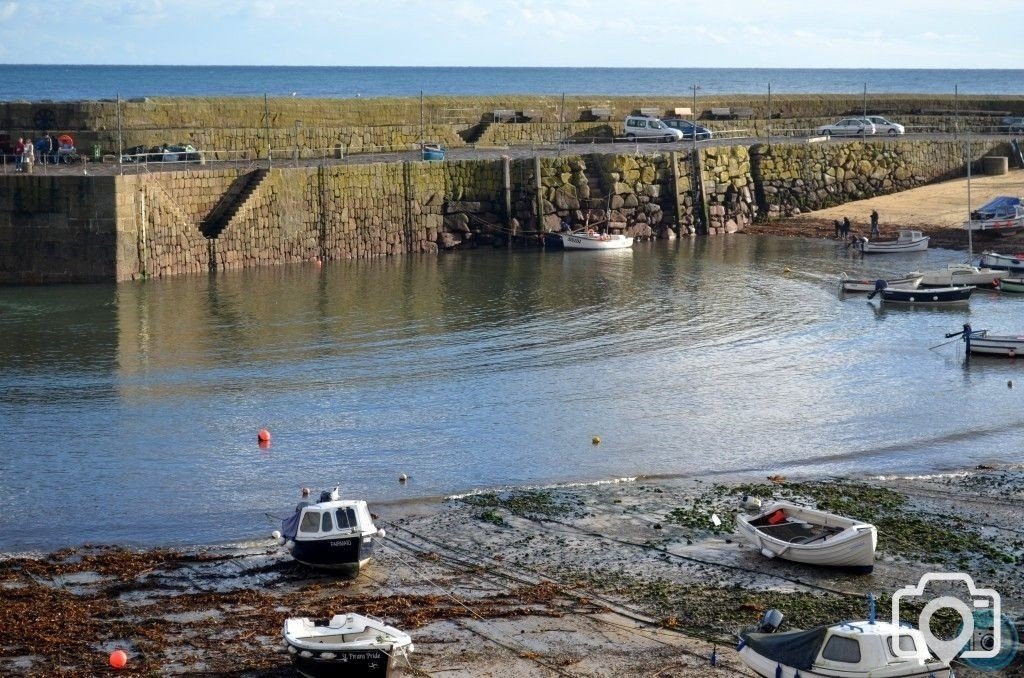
(721,113)
(531,116)
(650,112)
(503,115)
(601,113)
(682,112)
(743,113)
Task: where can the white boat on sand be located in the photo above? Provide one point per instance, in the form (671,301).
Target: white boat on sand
(908,241)
(1003,216)
(859,649)
(809,536)
(347,645)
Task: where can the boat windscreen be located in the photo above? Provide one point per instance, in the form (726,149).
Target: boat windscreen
(798,649)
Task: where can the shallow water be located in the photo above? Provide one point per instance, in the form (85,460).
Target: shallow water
(129,413)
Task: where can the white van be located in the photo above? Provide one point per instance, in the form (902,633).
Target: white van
(642,127)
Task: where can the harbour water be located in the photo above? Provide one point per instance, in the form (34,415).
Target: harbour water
(61,83)
(129,413)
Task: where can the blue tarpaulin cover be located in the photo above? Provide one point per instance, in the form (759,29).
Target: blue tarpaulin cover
(1003,207)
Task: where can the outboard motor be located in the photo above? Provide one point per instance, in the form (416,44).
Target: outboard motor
(770,622)
(751,503)
(879,286)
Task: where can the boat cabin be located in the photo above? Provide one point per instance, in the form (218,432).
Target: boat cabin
(331,519)
(907,235)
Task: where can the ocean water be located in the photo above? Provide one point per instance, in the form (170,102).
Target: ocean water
(129,413)
(20,82)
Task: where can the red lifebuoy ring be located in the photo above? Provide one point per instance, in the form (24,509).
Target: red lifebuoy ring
(995,283)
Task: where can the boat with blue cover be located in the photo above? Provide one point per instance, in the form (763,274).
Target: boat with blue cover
(1003,216)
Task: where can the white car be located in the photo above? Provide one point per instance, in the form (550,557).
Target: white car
(848,127)
(885,126)
(642,127)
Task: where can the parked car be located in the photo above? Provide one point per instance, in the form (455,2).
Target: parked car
(688,129)
(180,153)
(174,153)
(642,127)
(886,126)
(1013,124)
(848,127)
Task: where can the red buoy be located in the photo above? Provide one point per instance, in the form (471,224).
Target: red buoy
(263,436)
(118,659)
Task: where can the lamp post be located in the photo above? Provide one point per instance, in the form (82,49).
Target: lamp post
(693,131)
(769,114)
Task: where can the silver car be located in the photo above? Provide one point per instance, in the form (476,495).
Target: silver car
(848,127)
(885,126)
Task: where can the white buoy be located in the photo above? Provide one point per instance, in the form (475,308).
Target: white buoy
(402,477)
(715,520)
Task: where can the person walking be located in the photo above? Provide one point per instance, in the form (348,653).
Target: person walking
(874,224)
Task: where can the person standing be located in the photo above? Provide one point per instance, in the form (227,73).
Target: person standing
(839,228)
(846,226)
(28,156)
(19,150)
(874,224)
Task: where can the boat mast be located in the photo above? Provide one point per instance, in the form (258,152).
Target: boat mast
(970,231)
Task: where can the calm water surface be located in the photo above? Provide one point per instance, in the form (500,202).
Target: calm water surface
(129,413)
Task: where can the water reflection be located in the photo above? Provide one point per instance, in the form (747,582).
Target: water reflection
(484,368)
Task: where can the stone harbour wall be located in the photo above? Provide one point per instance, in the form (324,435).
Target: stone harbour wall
(791,179)
(88,228)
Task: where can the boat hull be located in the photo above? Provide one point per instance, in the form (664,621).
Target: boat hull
(957,275)
(334,554)
(923,296)
(895,246)
(853,548)
(577,241)
(1003,262)
(769,668)
(1012,285)
(1005,346)
(350,664)
(854,286)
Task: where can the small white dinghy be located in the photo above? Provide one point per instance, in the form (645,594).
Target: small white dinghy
(859,649)
(347,645)
(848,285)
(806,535)
(595,241)
(907,241)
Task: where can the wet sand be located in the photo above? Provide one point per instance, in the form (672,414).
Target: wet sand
(629,579)
(939,210)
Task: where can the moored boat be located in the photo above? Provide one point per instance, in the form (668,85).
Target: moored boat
(1003,216)
(594,241)
(907,241)
(922,295)
(809,536)
(1012,285)
(332,533)
(980,342)
(962,274)
(858,649)
(1014,263)
(864,285)
(346,645)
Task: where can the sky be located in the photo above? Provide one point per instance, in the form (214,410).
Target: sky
(727,34)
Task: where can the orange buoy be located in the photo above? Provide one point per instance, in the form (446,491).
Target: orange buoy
(118,659)
(263,436)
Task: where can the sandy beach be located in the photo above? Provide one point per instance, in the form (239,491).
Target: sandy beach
(630,578)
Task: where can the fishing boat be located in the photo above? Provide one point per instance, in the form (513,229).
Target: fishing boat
(1002,216)
(982,343)
(346,645)
(907,241)
(1012,285)
(432,152)
(591,240)
(1014,263)
(856,649)
(809,536)
(332,533)
(962,274)
(864,285)
(922,295)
